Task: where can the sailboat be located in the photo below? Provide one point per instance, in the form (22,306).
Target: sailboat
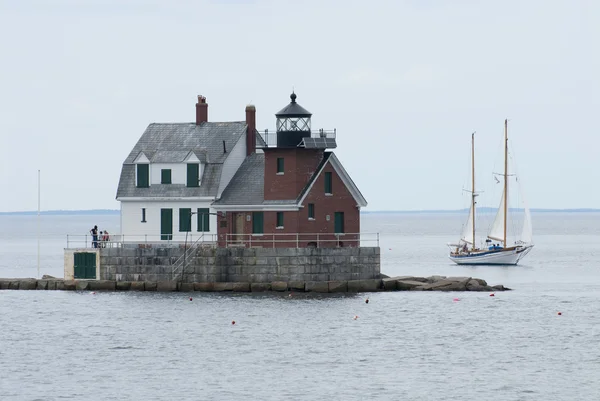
(466,251)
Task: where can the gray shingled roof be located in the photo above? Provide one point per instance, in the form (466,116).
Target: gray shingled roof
(171,143)
(247,185)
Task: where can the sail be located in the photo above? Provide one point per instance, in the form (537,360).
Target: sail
(527,233)
(467,233)
(497,230)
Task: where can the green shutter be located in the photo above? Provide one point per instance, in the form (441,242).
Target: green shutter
(280,166)
(143,175)
(328,183)
(203,219)
(193,173)
(257,223)
(166,224)
(185,219)
(279,219)
(311,210)
(339,222)
(165,176)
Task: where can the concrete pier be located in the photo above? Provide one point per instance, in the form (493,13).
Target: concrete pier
(403,283)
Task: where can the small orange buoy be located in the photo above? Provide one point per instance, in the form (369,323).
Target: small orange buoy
(367,300)
(355,317)
(93,292)
(492,295)
(559,313)
(456,299)
(233,322)
(290,294)
(190,298)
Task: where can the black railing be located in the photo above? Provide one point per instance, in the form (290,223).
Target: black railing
(269,138)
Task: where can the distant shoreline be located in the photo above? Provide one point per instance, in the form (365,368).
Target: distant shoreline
(98,212)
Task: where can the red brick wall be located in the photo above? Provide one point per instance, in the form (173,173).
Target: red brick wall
(340,201)
(298,222)
(299,165)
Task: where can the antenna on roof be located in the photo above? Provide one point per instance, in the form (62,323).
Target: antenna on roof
(224,147)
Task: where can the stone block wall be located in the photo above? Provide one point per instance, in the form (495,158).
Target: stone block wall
(252,265)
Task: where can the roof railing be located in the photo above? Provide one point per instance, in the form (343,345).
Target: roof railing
(270,137)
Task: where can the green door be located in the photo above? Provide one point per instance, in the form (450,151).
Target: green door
(84,265)
(339,222)
(166,224)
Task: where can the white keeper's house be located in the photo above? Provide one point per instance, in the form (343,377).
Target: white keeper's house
(176,171)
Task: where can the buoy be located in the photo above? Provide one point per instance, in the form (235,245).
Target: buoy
(559,313)
(492,295)
(456,299)
(355,317)
(233,322)
(367,300)
(190,298)
(390,249)
(93,292)
(290,294)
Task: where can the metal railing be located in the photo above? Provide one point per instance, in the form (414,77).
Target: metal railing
(194,240)
(270,137)
(122,240)
(182,261)
(301,240)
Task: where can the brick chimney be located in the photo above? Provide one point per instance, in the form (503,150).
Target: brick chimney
(201,110)
(251,133)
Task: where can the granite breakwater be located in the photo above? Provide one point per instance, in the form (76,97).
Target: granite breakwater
(401,283)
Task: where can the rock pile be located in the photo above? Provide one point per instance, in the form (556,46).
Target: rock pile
(438,283)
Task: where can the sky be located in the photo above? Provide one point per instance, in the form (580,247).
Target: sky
(404,83)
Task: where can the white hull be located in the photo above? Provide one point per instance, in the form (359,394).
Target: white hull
(502,257)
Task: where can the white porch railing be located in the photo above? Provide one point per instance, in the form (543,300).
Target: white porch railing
(302,240)
(120,240)
(266,240)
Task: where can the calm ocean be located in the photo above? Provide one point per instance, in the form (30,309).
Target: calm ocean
(404,345)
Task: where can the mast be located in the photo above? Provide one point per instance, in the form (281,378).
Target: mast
(38,228)
(505,176)
(473,183)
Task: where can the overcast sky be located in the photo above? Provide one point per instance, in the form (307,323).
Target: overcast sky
(403,82)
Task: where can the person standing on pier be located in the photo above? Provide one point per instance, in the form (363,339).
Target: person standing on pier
(94,232)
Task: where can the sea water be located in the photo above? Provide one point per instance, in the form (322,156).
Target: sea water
(58,345)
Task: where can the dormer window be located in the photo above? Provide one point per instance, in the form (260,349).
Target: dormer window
(143,175)
(142,171)
(193,175)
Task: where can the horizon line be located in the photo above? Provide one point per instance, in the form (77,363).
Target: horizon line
(117,211)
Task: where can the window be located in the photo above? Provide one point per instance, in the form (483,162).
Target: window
(166,224)
(257,222)
(185,219)
(279,219)
(203,219)
(328,183)
(339,223)
(280,167)
(143,215)
(165,176)
(311,211)
(143,175)
(193,174)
